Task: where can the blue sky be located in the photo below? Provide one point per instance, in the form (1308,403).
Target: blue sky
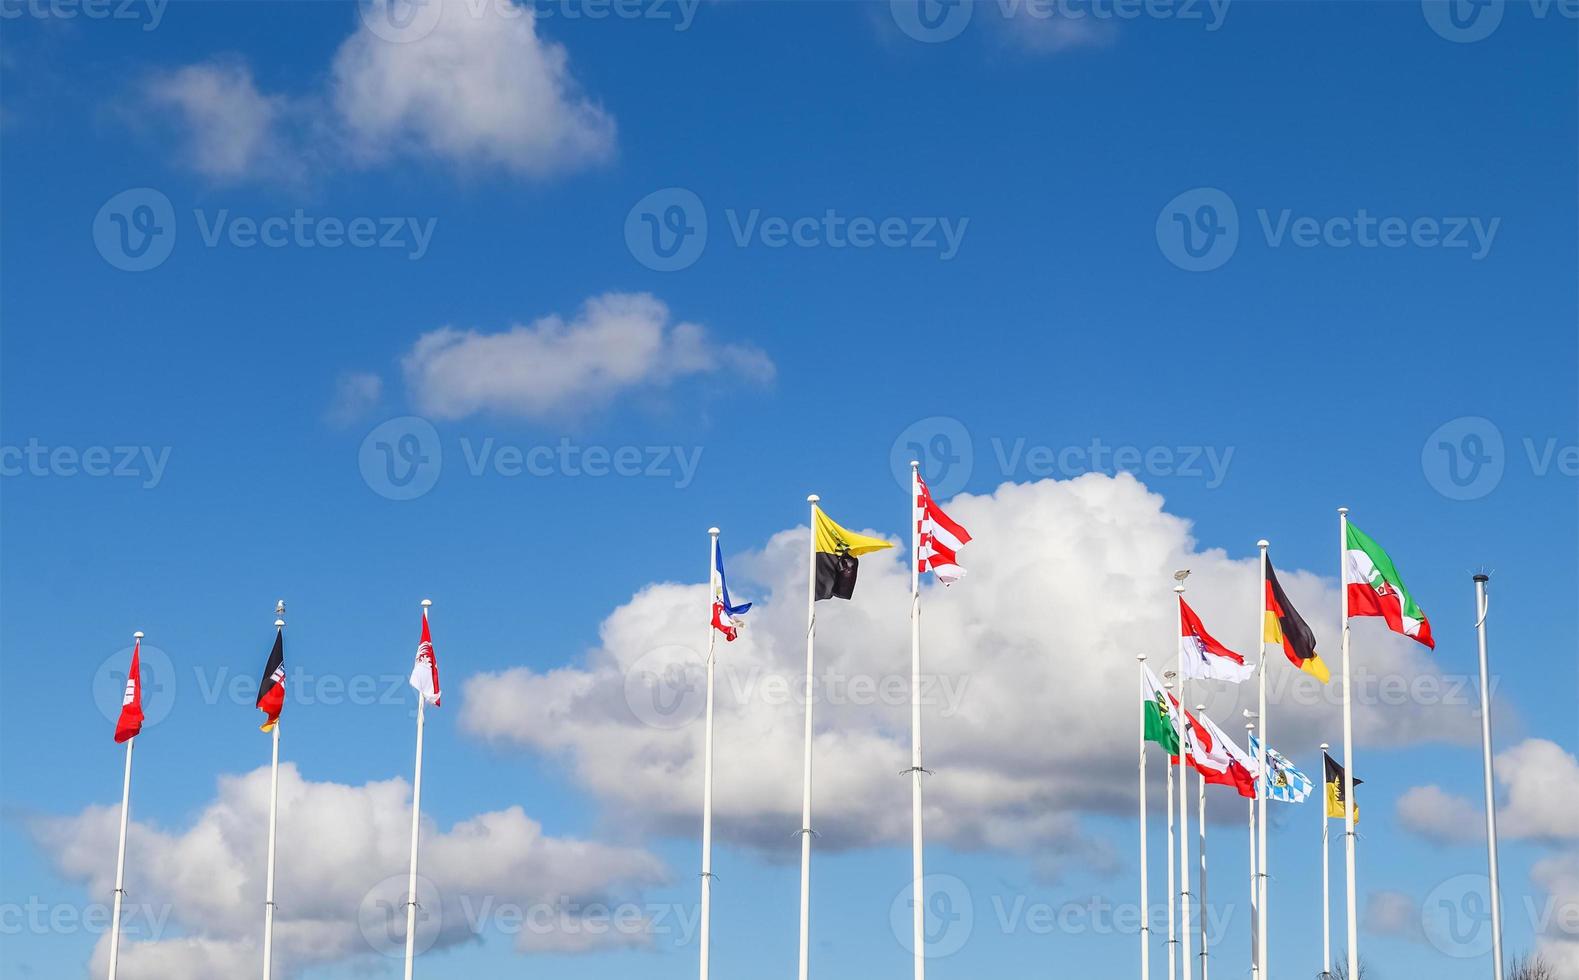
(975,243)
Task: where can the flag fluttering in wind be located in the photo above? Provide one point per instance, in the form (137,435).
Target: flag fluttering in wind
(1160,724)
(1284,783)
(940,537)
(1203,658)
(271,690)
(1376,589)
(837,551)
(1286,628)
(1334,777)
(727,616)
(425,672)
(131,720)
(1226,764)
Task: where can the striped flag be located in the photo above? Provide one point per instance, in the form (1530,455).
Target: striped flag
(940,537)
(131,720)
(1202,657)
(271,689)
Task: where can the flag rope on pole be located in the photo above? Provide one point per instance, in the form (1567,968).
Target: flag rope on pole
(917,890)
(1353,931)
(704,934)
(805,805)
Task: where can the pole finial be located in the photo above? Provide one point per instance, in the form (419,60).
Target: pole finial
(1200,708)
(1263,544)
(1482,577)
(1343,510)
(915,464)
(812,498)
(1179,589)
(1141,657)
(137,635)
(426,603)
(713,531)
(279,624)
(1325,746)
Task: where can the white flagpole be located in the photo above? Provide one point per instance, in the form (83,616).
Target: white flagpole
(274,799)
(1185,966)
(917,891)
(1482,607)
(1200,786)
(1258,901)
(1145,900)
(1326,876)
(416,824)
(705,934)
(805,797)
(1173,929)
(1348,753)
(120,854)
(1255,915)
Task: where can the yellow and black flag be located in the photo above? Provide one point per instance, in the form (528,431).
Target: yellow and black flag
(837,551)
(1334,779)
(1285,628)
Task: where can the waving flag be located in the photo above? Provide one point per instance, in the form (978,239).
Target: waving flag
(1203,658)
(1376,588)
(1286,628)
(727,617)
(1227,764)
(425,672)
(271,690)
(1334,786)
(837,551)
(1160,726)
(940,537)
(1284,784)
(131,719)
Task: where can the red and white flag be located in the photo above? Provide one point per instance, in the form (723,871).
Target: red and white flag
(1227,764)
(425,672)
(131,719)
(940,537)
(1201,657)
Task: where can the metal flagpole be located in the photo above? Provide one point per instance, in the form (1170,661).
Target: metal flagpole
(1326,878)
(1255,912)
(1482,607)
(1173,936)
(705,934)
(1145,901)
(274,803)
(120,854)
(805,797)
(917,891)
(1348,754)
(1185,966)
(1258,901)
(416,823)
(1200,787)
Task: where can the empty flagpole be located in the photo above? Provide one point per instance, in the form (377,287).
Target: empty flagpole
(1353,934)
(1482,607)
(274,802)
(1326,879)
(120,853)
(416,824)
(1184,795)
(805,792)
(705,933)
(1173,934)
(1255,912)
(1145,901)
(1200,788)
(917,896)
(1258,901)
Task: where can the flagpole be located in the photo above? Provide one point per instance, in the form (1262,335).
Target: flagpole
(1145,901)
(1255,914)
(274,798)
(1348,754)
(1326,880)
(1184,795)
(705,934)
(416,824)
(805,797)
(1173,937)
(1258,900)
(1482,607)
(120,853)
(917,890)
(1200,786)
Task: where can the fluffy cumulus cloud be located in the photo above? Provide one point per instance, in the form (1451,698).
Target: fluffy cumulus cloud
(472,85)
(341,879)
(1390,913)
(556,367)
(1030,696)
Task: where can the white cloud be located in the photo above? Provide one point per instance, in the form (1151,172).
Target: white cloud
(232,131)
(355,395)
(341,877)
(1440,816)
(1033,713)
(553,367)
(1390,913)
(1558,918)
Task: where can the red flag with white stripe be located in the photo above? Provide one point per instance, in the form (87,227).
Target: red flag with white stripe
(131,720)
(940,537)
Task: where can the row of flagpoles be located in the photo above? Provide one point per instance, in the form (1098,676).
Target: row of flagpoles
(1371,587)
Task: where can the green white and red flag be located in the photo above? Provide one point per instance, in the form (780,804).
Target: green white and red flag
(1376,589)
